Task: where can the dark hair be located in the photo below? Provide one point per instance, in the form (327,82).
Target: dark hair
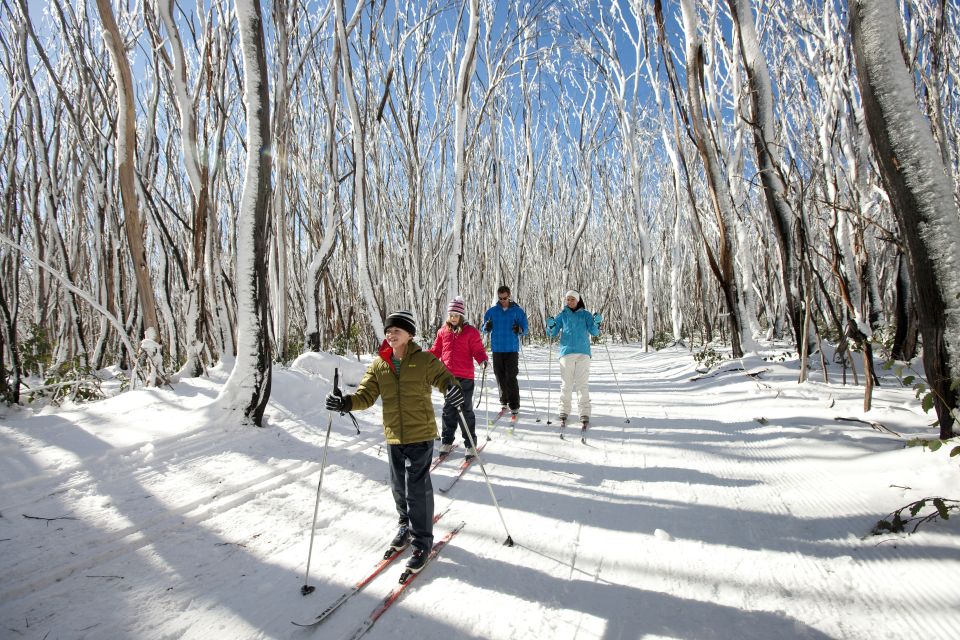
(580,304)
(503,289)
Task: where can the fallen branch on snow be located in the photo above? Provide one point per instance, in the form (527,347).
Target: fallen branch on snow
(48,520)
(875,425)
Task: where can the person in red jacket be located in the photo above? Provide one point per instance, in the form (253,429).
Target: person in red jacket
(457,345)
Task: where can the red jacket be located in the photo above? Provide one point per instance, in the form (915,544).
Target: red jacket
(458,349)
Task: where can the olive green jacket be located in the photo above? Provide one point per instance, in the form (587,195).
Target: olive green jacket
(408,415)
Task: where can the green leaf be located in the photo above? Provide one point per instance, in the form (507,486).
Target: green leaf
(882,526)
(927,403)
(887,365)
(909,380)
(915,509)
(935,444)
(941,508)
(955,452)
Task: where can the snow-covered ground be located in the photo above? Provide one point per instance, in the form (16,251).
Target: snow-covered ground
(731,506)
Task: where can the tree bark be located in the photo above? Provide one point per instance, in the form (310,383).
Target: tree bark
(126,151)
(719,190)
(248,387)
(765,146)
(920,193)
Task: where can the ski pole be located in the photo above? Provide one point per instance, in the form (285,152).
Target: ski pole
(526,372)
(306,589)
(612,369)
(549,370)
(483,385)
(473,443)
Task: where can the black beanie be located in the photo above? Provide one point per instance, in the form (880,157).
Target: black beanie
(402,320)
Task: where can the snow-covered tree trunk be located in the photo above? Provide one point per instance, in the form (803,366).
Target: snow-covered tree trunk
(461,116)
(920,193)
(719,189)
(766,148)
(330,203)
(197,175)
(248,387)
(126,153)
(359,171)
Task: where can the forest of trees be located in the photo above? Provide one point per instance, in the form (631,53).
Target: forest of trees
(237,180)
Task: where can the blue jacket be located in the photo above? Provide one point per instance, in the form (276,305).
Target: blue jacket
(502,338)
(574,329)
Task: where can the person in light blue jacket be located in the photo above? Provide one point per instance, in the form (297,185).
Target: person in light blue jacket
(575,325)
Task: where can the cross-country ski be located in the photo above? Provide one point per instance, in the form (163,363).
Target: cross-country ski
(405,583)
(461,470)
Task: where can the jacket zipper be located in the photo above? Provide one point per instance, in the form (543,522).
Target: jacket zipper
(399,406)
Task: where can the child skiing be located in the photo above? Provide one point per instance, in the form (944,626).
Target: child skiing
(458,345)
(402,375)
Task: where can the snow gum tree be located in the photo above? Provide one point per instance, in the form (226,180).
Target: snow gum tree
(462,111)
(248,387)
(723,267)
(920,192)
(766,148)
(126,165)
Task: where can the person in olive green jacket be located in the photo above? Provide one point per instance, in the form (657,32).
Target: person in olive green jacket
(403,375)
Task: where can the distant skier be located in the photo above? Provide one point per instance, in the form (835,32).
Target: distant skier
(402,375)
(458,345)
(574,324)
(506,322)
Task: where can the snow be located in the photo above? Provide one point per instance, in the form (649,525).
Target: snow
(730,506)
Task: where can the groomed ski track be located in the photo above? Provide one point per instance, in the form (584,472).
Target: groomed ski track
(701,518)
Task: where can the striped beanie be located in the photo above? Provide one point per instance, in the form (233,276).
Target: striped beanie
(402,320)
(457,306)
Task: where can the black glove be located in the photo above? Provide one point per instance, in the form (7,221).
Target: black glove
(516,329)
(336,402)
(454,396)
(488,326)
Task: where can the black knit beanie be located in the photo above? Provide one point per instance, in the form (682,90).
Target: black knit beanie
(402,320)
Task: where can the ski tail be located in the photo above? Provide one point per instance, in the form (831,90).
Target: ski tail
(394,595)
(363,582)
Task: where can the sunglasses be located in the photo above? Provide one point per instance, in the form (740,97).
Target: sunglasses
(504,297)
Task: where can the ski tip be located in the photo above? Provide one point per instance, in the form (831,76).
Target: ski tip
(508,542)
(306,590)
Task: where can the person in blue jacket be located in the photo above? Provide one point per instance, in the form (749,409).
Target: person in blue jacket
(506,323)
(574,324)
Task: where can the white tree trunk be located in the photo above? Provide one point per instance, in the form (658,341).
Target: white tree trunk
(248,387)
(461,116)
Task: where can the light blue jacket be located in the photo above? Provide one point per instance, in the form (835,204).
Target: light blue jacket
(574,329)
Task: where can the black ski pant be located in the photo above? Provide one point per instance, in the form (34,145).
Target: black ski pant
(412,489)
(451,420)
(506,366)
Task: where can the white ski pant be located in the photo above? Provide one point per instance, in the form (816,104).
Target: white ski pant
(575,376)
